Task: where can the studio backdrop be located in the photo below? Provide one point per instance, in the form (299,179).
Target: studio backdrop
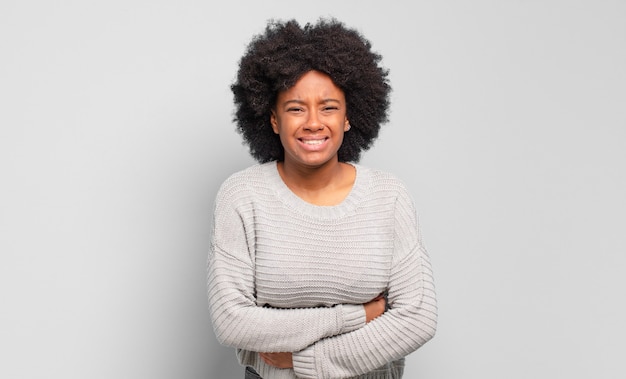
(508,124)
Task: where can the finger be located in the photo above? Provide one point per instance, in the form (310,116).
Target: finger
(265,358)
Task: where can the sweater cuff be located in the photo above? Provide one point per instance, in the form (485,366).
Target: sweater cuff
(304,363)
(353,317)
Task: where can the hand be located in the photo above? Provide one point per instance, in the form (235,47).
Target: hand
(279,360)
(375,308)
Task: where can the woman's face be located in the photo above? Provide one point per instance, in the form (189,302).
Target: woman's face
(310,119)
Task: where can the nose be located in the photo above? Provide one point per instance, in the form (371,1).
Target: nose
(313,122)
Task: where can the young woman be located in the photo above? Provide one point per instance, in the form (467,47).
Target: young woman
(317,268)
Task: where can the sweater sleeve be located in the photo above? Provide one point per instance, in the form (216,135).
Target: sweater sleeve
(410,323)
(237,320)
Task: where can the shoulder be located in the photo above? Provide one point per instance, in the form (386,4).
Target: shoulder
(387,188)
(384,181)
(249,177)
(242,176)
(243,184)
(395,190)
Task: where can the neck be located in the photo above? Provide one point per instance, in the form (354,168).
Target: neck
(309,178)
(325,185)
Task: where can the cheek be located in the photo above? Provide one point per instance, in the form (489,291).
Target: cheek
(284,140)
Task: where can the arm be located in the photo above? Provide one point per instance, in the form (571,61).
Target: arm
(373,309)
(237,320)
(240,323)
(409,323)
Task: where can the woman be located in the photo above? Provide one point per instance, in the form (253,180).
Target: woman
(306,243)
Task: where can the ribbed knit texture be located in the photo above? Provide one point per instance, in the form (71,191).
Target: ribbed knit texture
(286,275)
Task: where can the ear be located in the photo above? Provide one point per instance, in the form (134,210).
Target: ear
(346,125)
(274,121)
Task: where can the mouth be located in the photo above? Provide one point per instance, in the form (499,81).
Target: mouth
(313,143)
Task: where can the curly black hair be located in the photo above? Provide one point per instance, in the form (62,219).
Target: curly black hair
(277,58)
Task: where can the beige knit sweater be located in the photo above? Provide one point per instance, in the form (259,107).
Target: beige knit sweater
(286,275)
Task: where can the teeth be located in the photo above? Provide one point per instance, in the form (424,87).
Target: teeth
(313,141)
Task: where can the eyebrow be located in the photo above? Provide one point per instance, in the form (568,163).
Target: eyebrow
(324,101)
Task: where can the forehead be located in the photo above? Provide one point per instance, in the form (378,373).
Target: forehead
(313,84)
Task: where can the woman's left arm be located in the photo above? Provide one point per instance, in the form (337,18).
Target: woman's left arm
(410,322)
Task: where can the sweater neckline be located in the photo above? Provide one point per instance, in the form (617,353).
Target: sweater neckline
(293,201)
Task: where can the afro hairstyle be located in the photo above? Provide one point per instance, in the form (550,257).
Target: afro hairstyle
(277,58)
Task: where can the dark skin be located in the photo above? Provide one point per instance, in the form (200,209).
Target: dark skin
(310,119)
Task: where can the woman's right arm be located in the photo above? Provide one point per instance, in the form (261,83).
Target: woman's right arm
(237,320)
(240,323)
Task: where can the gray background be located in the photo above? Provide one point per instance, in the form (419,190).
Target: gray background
(508,124)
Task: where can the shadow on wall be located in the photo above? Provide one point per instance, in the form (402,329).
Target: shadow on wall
(222,361)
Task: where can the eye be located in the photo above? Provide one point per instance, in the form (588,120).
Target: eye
(295,109)
(330,108)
